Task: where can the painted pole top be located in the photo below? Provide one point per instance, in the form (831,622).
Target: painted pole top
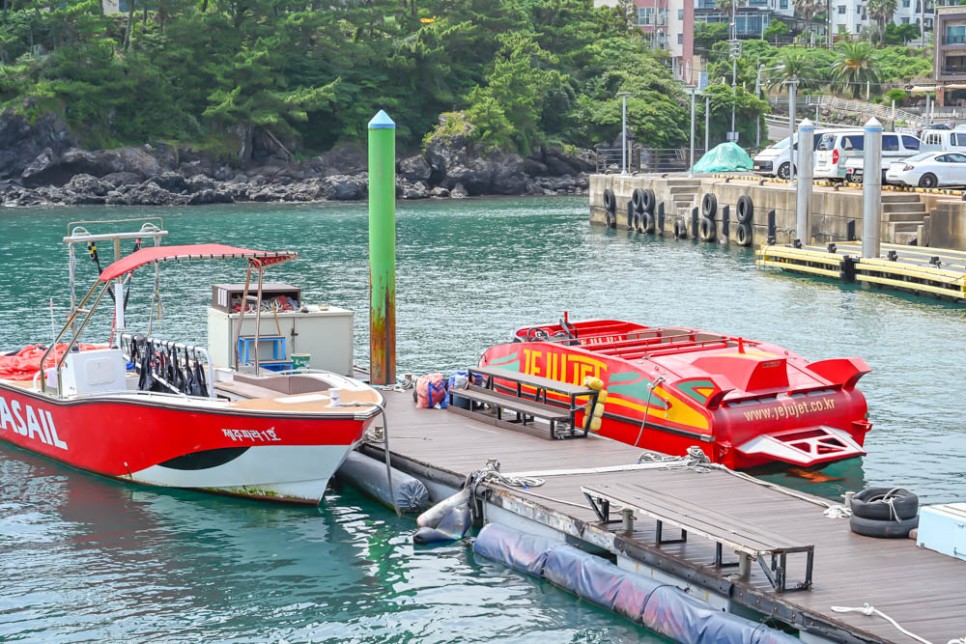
(381,121)
(873,124)
(806,124)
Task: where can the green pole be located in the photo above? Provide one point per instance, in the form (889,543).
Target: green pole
(382,249)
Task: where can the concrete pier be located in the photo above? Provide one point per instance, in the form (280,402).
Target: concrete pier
(929,218)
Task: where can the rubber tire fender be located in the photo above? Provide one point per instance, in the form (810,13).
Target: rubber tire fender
(746,209)
(743,235)
(709,205)
(864,504)
(637,198)
(649,225)
(610,202)
(680,229)
(706,229)
(882,529)
(648,201)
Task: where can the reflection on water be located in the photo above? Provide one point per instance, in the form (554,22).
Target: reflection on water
(84,558)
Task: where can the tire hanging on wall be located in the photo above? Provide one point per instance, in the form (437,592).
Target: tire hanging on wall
(709,205)
(746,209)
(649,225)
(743,234)
(680,229)
(610,208)
(648,201)
(707,230)
(637,197)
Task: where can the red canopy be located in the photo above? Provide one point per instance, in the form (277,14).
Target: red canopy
(192,251)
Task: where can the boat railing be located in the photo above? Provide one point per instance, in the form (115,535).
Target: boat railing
(196,353)
(681,347)
(645,338)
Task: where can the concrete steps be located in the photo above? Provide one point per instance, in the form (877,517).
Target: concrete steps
(903,218)
(684,196)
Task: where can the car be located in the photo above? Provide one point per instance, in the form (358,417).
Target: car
(775,161)
(838,149)
(929,170)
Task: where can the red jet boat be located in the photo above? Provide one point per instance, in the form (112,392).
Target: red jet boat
(156,412)
(745,403)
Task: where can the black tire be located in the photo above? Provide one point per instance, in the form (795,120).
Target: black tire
(649,201)
(743,235)
(928,180)
(637,198)
(680,229)
(610,203)
(706,229)
(784,171)
(649,225)
(746,209)
(709,205)
(870,503)
(882,529)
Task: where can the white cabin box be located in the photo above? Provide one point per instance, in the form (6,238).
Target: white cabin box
(93,372)
(942,528)
(325,333)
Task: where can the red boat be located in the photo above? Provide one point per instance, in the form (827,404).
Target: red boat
(156,412)
(744,403)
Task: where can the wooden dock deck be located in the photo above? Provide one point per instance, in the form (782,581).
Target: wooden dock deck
(916,269)
(922,590)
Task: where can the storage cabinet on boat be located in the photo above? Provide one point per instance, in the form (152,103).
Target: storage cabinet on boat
(323,332)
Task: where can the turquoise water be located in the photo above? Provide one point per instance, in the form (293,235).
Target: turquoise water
(84,558)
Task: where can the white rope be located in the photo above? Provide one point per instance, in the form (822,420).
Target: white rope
(868,610)
(838,512)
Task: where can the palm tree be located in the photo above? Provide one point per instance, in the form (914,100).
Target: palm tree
(727,7)
(793,62)
(882,11)
(854,67)
(807,10)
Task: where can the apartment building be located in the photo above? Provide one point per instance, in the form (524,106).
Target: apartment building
(949,57)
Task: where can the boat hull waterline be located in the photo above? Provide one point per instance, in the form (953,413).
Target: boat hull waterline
(743,403)
(199,443)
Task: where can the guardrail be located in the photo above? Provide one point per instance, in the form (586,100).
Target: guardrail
(861,107)
(641,159)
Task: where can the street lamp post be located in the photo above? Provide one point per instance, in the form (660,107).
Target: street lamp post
(734,61)
(792,87)
(693,92)
(623,96)
(758,95)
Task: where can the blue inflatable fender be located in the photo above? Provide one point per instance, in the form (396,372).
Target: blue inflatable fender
(519,550)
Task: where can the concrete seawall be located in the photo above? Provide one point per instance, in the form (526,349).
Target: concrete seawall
(933,219)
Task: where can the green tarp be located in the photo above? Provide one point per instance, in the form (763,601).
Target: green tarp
(727,157)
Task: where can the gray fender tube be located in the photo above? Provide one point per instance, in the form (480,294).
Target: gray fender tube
(431,517)
(369,475)
(448,520)
(663,608)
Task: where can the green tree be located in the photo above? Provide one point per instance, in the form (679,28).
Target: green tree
(882,11)
(807,10)
(854,68)
(775,31)
(706,34)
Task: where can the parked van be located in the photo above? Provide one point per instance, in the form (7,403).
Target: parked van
(943,141)
(839,149)
(775,161)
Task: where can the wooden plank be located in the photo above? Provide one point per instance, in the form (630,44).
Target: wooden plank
(919,588)
(513,403)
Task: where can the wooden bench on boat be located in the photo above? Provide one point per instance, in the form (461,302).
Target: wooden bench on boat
(749,542)
(527,397)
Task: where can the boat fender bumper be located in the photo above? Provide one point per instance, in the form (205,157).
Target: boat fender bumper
(885,504)
(453,527)
(883,529)
(369,475)
(661,607)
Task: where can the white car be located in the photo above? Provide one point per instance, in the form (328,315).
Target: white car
(929,170)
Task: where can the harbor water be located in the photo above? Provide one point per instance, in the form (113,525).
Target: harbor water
(83,558)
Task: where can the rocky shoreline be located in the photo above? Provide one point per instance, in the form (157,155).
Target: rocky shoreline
(41,164)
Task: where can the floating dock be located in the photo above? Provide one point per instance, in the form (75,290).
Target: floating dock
(920,270)
(920,589)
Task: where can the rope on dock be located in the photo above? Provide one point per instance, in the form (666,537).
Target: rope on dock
(869,610)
